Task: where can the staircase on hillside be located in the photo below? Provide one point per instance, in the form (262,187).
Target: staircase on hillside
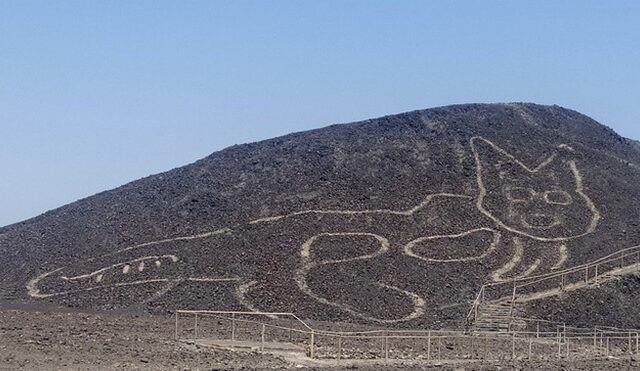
(498,313)
(497,317)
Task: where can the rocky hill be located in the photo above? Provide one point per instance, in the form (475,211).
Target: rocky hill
(397,220)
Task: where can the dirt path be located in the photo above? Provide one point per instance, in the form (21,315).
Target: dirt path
(54,339)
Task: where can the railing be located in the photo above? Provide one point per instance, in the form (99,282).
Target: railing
(620,258)
(473,312)
(592,272)
(415,345)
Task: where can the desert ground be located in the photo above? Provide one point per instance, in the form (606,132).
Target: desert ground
(54,338)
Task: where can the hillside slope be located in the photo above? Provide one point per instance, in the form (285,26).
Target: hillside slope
(396,220)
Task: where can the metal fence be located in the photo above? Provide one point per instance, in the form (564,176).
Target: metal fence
(261,330)
(592,273)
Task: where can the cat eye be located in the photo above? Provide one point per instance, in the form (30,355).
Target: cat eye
(519,194)
(558,198)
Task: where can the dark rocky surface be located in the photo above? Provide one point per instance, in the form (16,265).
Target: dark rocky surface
(394,251)
(614,303)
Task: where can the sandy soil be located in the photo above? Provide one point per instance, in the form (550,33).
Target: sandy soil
(37,340)
(59,339)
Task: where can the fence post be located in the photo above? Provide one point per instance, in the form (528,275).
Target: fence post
(475,312)
(429,345)
(530,346)
(486,346)
(586,275)
(595,338)
(386,347)
(176,325)
(262,338)
(559,342)
(439,346)
(311,344)
(195,326)
(637,343)
(630,351)
(233,326)
(290,330)
(472,355)
(562,282)
(513,299)
(607,354)
(537,329)
(596,276)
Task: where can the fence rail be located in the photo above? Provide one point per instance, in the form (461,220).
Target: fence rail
(594,272)
(539,339)
(262,329)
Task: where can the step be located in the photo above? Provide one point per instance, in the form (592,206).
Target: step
(502,319)
(506,314)
(490,329)
(487,327)
(493,319)
(498,327)
(494,314)
(496,307)
(480,323)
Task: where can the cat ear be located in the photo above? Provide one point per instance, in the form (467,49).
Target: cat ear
(563,172)
(493,162)
(493,159)
(563,167)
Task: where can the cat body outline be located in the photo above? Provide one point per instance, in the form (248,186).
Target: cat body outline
(538,241)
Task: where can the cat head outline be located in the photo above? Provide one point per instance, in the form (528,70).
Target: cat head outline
(545,203)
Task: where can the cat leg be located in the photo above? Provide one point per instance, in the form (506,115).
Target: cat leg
(563,255)
(551,256)
(531,258)
(340,270)
(523,263)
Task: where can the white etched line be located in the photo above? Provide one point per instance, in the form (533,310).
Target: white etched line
(564,254)
(483,191)
(498,274)
(408,212)
(307,264)
(124,265)
(217,232)
(241,293)
(408,248)
(531,269)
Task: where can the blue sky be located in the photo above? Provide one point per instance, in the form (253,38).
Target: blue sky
(94,94)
